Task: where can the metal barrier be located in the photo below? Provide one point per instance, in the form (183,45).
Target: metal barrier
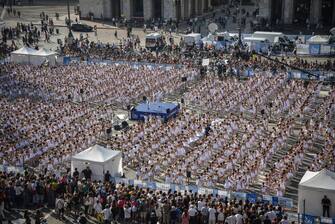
(12,169)
(251,197)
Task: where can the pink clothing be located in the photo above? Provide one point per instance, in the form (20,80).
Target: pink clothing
(185,218)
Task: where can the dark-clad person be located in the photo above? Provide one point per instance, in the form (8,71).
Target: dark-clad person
(87,173)
(107,176)
(76,173)
(325,205)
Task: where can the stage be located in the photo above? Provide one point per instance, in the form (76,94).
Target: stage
(158,109)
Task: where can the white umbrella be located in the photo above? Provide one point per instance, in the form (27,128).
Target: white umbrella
(332,31)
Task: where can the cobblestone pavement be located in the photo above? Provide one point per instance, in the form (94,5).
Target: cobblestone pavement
(105,33)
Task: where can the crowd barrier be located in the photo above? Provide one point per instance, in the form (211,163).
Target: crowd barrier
(310,219)
(316,49)
(5,60)
(11,169)
(251,197)
(68,60)
(319,75)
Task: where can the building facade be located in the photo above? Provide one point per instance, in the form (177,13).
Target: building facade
(314,12)
(283,11)
(146,9)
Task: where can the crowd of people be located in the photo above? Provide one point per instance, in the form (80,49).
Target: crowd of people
(116,83)
(48,132)
(226,134)
(105,201)
(226,154)
(51,113)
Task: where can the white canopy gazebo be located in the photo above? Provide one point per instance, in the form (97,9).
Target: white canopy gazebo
(318,40)
(22,55)
(26,55)
(44,55)
(312,188)
(99,160)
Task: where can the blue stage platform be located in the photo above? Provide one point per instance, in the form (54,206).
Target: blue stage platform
(160,109)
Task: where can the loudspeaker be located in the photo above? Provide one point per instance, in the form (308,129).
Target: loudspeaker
(81,91)
(306,84)
(183,79)
(182,100)
(117,127)
(124,124)
(57,31)
(188,174)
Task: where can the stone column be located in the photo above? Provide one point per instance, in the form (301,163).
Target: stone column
(209,4)
(147,9)
(182,9)
(126,8)
(169,11)
(107,10)
(315,13)
(202,6)
(265,9)
(288,11)
(187,8)
(196,6)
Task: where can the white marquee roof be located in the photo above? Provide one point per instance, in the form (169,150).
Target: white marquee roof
(323,180)
(45,52)
(25,51)
(318,39)
(97,154)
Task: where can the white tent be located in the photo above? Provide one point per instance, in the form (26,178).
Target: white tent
(26,55)
(22,55)
(312,188)
(99,159)
(318,40)
(43,55)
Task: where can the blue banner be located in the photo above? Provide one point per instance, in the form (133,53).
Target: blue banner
(66,60)
(308,219)
(285,202)
(314,49)
(239,195)
(267,199)
(275,200)
(251,197)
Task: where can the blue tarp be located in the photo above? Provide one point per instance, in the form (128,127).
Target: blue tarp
(163,110)
(314,49)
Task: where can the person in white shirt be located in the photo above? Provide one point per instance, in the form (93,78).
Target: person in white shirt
(221,217)
(284,220)
(98,207)
(212,215)
(192,213)
(106,214)
(231,219)
(271,214)
(239,218)
(127,213)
